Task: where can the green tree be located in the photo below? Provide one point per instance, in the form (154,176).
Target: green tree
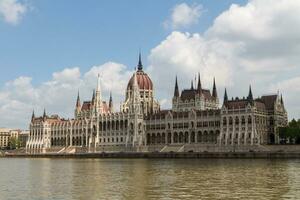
(14,143)
(291,132)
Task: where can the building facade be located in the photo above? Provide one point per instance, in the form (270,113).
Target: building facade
(196,118)
(8,135)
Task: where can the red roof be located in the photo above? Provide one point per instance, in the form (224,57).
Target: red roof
(189,94)
(143,80)
(86,106)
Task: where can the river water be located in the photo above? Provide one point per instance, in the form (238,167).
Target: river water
(140,179)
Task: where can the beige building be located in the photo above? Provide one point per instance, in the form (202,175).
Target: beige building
(196,120)
(4,137)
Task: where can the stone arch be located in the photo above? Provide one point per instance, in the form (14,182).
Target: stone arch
(186,137)
(249,120)
(181,137)
(243,120)
(211,137)
(153,139)
(237,120)
(175,137)
(169,138)
(117,125)
(148,139)
(205,136)
(224,121)
(158,138)
(230,120)
(199,137)
(192,139)
(163,138)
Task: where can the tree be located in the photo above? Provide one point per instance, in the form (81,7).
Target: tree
(291,132)
(14,143)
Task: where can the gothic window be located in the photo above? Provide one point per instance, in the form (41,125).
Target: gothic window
(237,121)
(224,121)
(243,120)
(249,120)
(230,120)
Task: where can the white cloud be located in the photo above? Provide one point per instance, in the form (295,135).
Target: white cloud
(12,11)
(184,15)
(58,95)
(257,43)
(187,54)
(267,32)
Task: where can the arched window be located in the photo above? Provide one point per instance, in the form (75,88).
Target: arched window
(237,121)
(249,120)
(230,120)
(224,121)
(243,120)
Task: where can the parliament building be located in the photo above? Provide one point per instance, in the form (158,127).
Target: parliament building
(196,122)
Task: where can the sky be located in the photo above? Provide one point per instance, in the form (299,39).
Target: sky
(51,49)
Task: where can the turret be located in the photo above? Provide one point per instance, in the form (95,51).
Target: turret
(214,92)
(250,96)
(110,103)
(93,97)
(192,85)
(98,98)
(44,115)
(78,104)
(225,96)
(140,65)
(32,116)
(176,90)
(199,87)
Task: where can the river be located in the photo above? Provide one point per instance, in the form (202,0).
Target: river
(42,178)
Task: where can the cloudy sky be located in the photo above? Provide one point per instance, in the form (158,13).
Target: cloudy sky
(51,49)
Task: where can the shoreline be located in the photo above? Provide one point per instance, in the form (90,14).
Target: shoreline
(172,155)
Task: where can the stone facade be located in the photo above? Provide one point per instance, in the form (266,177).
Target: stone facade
(195,119)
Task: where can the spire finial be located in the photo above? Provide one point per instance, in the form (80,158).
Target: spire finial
(44,115)
(78,100)
(176,90)
(140,65)
(225,96)
(98,82)
(192,85)
(93,97)
(199,83)
(214,93)
(110,102)
(33,115)
(250,95)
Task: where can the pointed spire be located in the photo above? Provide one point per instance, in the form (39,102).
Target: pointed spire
(78,101)
(98,83)
(199,87)
(214,93)
(44,115)
(225,96)
(93,97)
(33,115)
(110,102)
(192,85)
(250,96)
(281,99)
(140,65)
(176,90)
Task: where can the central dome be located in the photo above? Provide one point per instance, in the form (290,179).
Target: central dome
(143,80)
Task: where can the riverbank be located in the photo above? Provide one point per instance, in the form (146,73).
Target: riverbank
(181,155)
